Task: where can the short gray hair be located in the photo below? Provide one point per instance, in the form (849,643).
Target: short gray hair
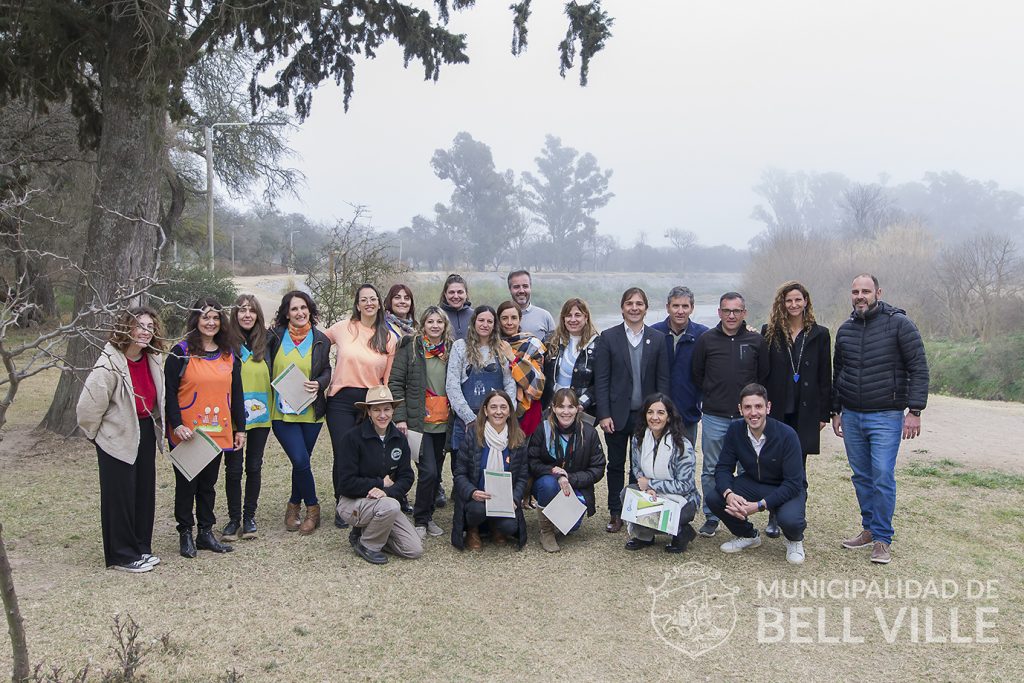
(680,291)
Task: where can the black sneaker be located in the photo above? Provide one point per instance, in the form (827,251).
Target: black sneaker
(637,544)
(371,556)
(249,527)
(230,532)
(708,529)
(139,566)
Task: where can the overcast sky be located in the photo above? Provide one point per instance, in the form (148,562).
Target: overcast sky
(687,104)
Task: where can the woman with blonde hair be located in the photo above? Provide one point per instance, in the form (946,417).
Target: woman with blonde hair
(569,361)
(121,411)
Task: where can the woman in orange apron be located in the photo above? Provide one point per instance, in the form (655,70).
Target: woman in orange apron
(203,379)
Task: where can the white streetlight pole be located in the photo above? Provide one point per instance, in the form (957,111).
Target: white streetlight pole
(291,251)
(208,132)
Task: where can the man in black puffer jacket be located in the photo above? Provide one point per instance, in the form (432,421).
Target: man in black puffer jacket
(880,370)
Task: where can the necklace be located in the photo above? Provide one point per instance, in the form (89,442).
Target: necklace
(796,366)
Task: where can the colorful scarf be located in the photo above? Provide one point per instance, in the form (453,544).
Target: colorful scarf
(401,327)
(437,350)
(527,369)
(298,334)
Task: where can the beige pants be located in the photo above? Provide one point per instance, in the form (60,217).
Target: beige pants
(383,524)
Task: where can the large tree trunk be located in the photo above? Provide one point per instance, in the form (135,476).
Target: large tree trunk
(123,227)
(15,625)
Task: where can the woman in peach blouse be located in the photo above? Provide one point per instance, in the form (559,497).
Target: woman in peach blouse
(365,351)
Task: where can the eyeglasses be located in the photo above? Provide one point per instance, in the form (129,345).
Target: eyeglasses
(732,312)
(369,301)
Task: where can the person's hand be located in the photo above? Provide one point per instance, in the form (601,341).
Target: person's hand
(239,440)
(736,505)
(911,426)
(837,425)
(506,352)
(608,425)
(311,386)
(403,427)
(559,472)
(563,482)
(643,482)
(183,433)
(376,493)
(388,481)
(480,496)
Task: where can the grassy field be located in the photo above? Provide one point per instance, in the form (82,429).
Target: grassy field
(285,608)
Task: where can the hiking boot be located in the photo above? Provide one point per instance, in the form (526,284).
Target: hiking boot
(312,521)
(139,566)
(861,540)
(230,532)
(291,516)
(473,541)
(681,540)
(371,556)
(772,530)
(499,538)
(880,553)
(548,540)
(354,536)
(794,552)
(206,541)
(248,527)
(708,529)
(433,529)
(738,544)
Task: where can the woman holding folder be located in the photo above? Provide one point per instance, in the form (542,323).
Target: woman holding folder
(203,380)
(565,458)
(664,464)
(296,345)
(494,443)
(121,411)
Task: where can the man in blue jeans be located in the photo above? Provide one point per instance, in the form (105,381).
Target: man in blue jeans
(879,371)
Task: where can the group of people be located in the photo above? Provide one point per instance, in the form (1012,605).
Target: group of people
(512,392)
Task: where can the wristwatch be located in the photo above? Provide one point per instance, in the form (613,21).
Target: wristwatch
(915,412)
(760,506)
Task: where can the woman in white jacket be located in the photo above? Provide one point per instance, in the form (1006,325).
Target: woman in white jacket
(121,410)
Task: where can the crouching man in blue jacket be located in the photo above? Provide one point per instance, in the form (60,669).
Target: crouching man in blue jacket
(772,478)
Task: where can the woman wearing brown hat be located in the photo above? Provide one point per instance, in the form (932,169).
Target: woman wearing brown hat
(374,474)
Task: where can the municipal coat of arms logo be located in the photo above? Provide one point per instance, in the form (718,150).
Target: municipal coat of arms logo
(692,610)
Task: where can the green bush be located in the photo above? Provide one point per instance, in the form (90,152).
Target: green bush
(183,285)
(991,370)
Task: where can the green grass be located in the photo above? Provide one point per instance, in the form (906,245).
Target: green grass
(973,369)
(954,474)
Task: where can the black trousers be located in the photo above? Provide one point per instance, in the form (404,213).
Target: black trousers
(618,449)
(790,515)
(476,514)
(128,500)
(341,417)
(428,477)
(791,419)
(255,444)
(201,492)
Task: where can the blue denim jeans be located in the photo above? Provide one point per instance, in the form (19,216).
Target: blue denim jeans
(545,488)
(872,441)
(298,439)
(712,437)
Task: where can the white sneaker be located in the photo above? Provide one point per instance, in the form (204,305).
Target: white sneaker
(421,531)
(433,529)
(151,560)
(738,544)
(137,567)
(794,551)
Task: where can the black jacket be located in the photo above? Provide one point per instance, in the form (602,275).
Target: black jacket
(879,363)
(814,394)
(585,468)
(582,375)
(408,382)
(780,463)
(366,460)
(466,476)
(613,372)
(723,365)
(320,364)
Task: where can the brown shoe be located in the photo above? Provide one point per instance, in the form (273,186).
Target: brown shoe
(311,522)
(880,553)
(861,540)
(499,538)
(291,516)
(473,541)
(548,540)
(615,525)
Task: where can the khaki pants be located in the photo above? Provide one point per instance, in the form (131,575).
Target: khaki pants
(383,524)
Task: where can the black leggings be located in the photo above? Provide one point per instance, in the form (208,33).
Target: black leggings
(342,416)
(255,444)
(428,465)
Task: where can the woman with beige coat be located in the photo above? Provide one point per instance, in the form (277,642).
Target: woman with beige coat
(121,410)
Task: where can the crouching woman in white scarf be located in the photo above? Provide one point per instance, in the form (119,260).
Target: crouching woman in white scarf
(664,465)
(494,441)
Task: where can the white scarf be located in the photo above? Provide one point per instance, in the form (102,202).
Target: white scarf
(496,442)
(656,467)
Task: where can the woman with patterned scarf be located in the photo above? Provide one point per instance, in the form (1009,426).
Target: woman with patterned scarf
(524,354)
(400,311)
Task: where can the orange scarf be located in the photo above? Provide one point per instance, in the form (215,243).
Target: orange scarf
(299,333)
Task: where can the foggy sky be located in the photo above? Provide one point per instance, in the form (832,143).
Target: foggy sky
(688,104)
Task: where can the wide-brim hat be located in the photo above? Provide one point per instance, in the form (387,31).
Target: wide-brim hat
(376,396)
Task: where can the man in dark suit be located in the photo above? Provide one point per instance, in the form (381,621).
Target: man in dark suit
(630,363)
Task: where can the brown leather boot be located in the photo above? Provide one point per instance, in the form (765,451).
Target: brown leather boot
(291,516)
(499,538)
(473,541)
(548,541)
(312,520)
